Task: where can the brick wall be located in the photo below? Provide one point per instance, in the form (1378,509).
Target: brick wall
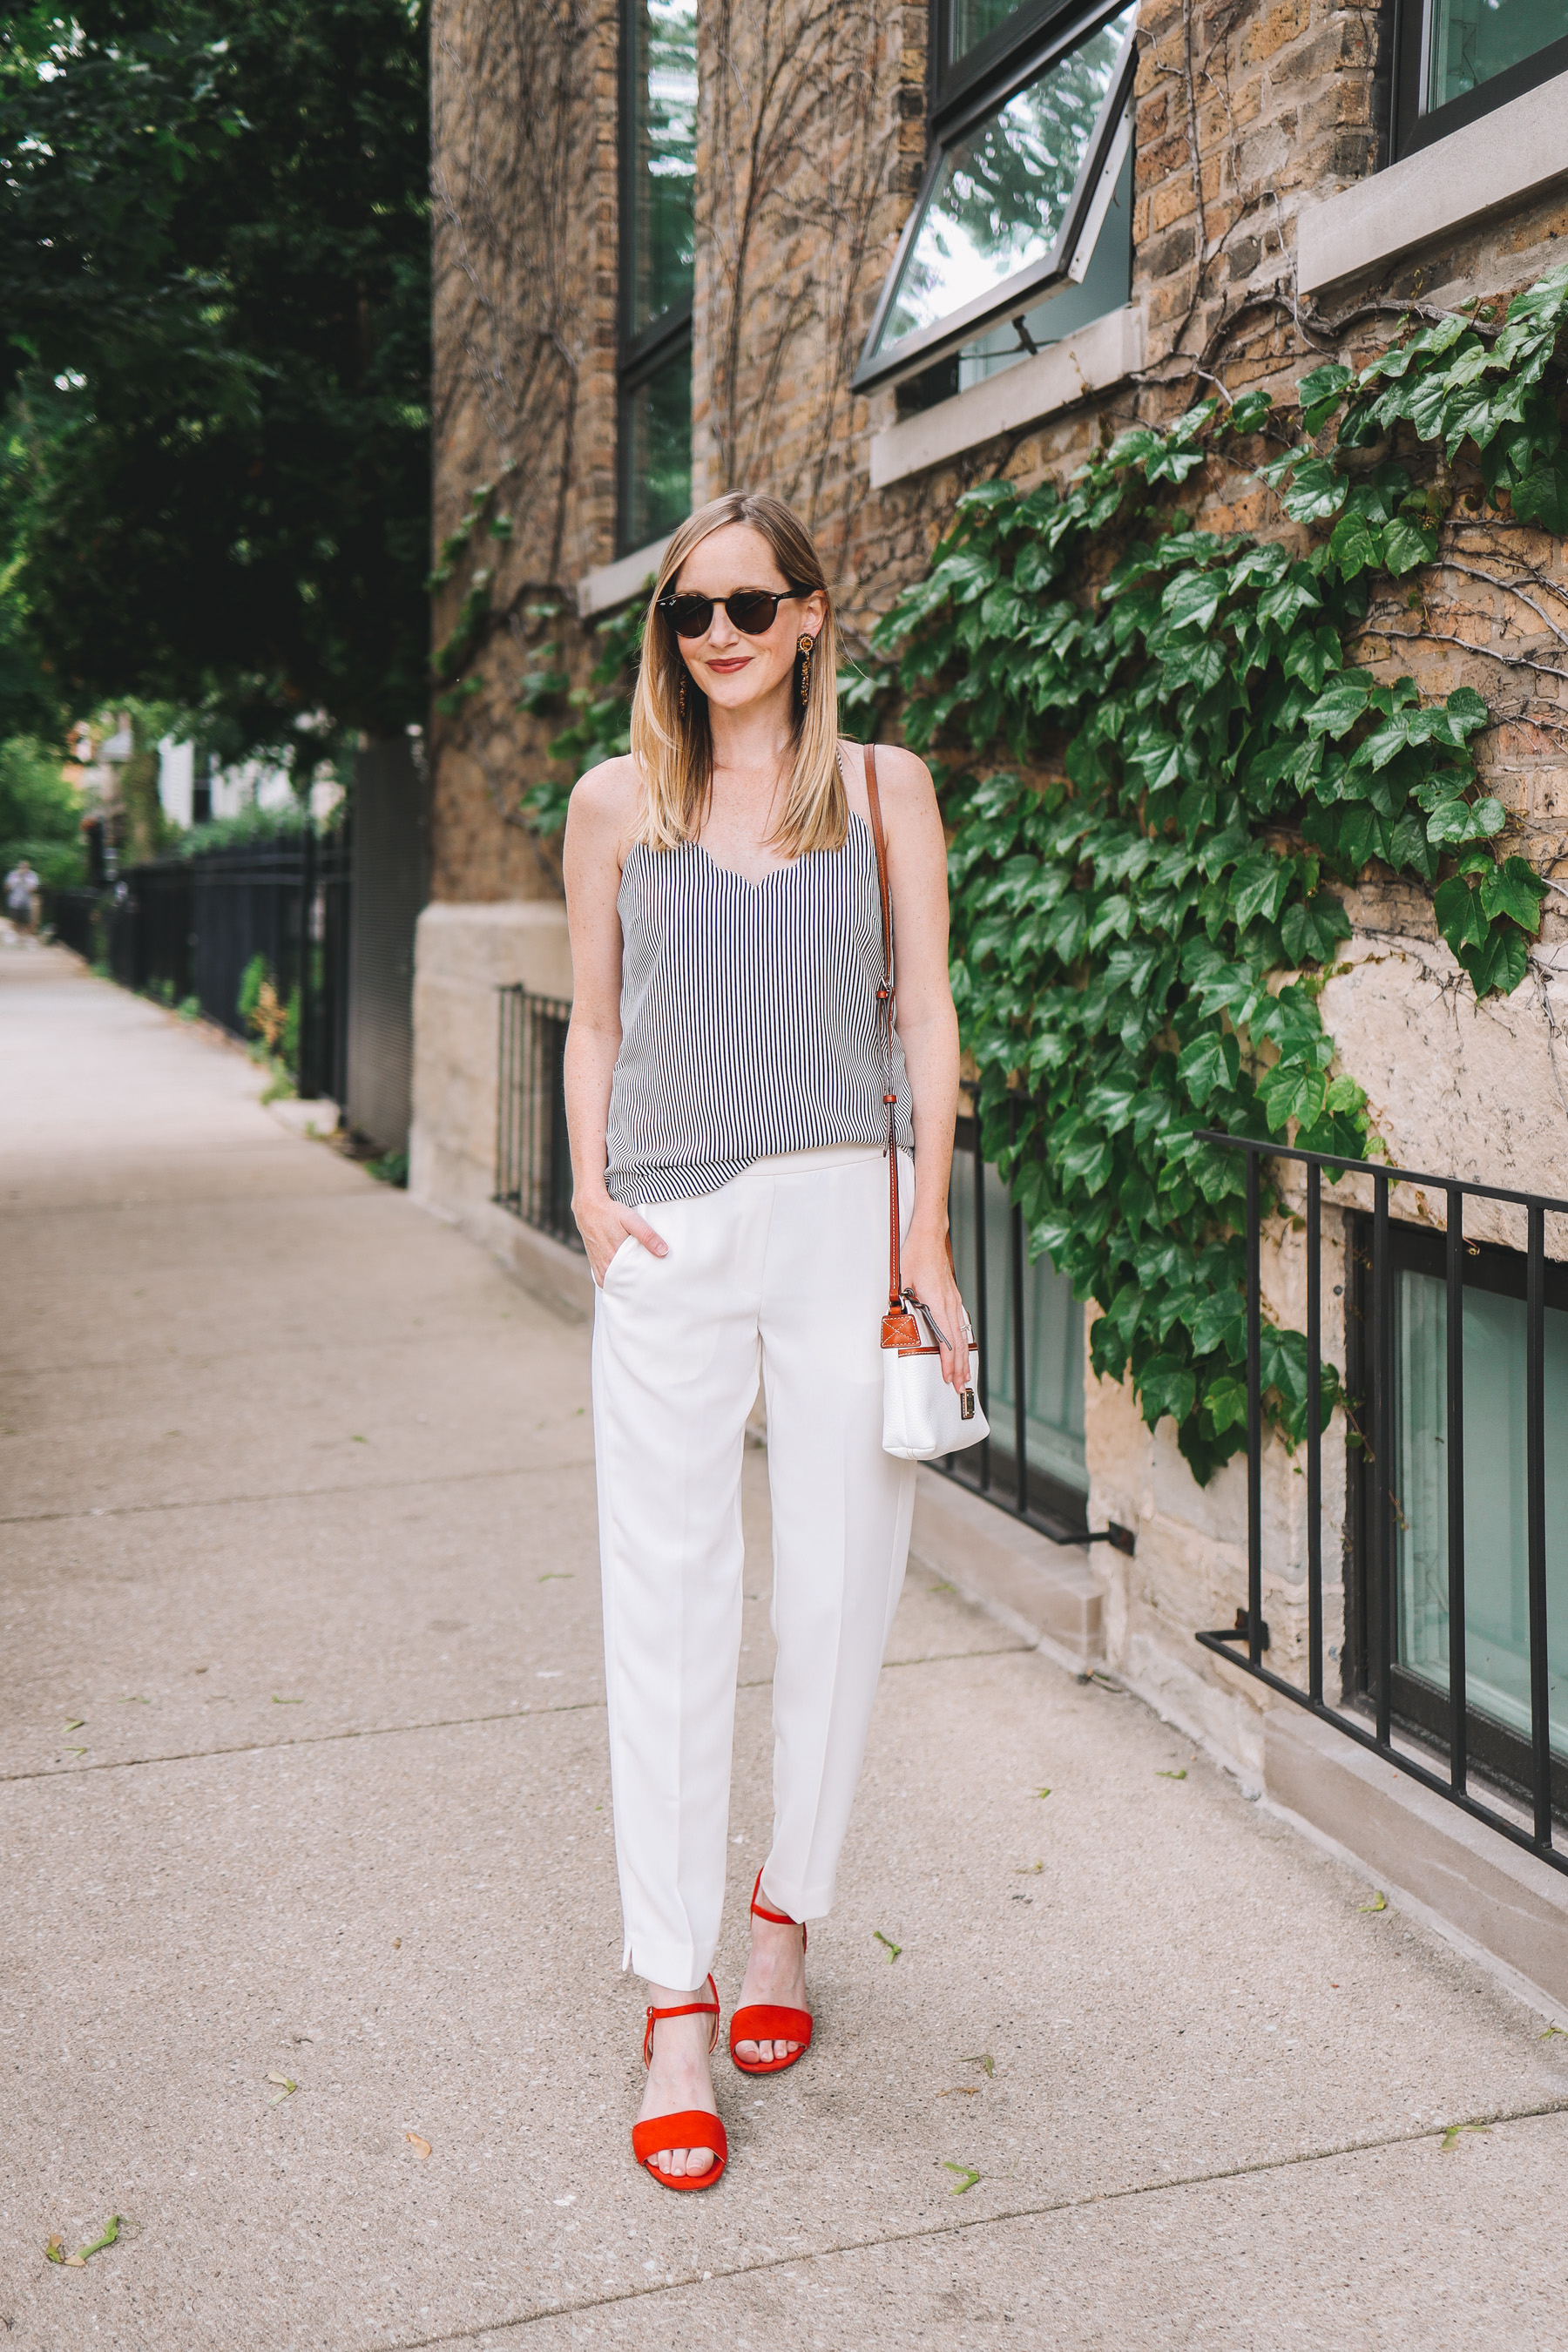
(811,147)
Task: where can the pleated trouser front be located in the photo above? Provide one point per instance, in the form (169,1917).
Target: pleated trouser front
(784,1268)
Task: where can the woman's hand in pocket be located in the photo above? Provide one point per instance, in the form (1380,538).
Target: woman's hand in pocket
(605,1224)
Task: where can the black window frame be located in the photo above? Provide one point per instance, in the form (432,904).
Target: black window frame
(1496,1753)
(959,96)
(640,352)
(1414,126)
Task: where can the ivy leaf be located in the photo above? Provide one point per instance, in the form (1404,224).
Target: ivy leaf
(1408,544)
(1320,393)
(1460,915)
(1514,888)
(1250,411)
(1258,885)
(1224,1401)
(1310,927)
(1292,1090)
(1218,1321)
(1296,593)
(1211,1060)
(1542,496)
(1338,706)
(1316,492)
(1499,961)
(1166,1385)
(1354,546)
(1193,598)
(1457,820)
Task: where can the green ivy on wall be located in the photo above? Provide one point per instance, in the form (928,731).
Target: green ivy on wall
(1140,942)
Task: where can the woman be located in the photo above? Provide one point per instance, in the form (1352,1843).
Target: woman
(726,1077)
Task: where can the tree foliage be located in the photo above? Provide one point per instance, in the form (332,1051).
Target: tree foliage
(1138,944)
(214,311)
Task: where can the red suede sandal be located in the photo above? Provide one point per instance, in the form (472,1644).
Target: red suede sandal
(692,2127)
(760,2021)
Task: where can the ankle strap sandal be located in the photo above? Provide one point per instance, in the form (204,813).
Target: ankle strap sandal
(692,2127)
(761,2020)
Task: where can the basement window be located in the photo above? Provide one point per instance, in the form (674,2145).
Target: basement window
(658,177)
(1495,1529)
(1458,59)
(1023,229)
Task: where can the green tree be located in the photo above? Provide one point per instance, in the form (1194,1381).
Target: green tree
(214,338)
(41,814)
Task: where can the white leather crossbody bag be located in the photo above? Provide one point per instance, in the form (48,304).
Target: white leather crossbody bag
(923,1416)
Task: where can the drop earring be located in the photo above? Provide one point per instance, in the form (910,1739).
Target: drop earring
(805,651)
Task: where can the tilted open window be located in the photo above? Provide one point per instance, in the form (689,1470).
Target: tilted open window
(1030,176)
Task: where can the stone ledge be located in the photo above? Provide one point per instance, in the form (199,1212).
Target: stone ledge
(547,1269)
(610,584)
(1044,1591)
(1420,1850)
(1482,168)
(1091,361)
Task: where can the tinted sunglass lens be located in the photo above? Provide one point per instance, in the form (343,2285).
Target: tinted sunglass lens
(752,612)
(692,615)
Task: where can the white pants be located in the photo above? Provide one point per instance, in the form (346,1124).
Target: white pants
(784,1266)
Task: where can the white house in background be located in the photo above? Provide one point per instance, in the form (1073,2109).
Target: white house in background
(252,783)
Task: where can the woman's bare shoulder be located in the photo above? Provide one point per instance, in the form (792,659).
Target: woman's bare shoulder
(608,794)
(903,780)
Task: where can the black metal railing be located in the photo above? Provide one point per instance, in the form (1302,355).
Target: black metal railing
(188,929)
(533,1157)
(1373,1724)
(1028,1344)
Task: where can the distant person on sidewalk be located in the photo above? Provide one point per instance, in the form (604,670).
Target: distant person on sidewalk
(727,1086)
(21,895)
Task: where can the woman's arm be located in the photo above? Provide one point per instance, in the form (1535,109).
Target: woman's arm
(598,822)
(928,1029)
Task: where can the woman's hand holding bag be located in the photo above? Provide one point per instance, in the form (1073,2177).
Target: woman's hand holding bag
(923,1415)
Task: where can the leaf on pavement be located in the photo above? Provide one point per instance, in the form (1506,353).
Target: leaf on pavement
(421,2147)
(285,1702)
(966,2183)
(1173,1776)
(75,1724)
(981,2058)
(1451,2137)
(1029,1870)
(893,1950)
(55,2247)
(1551,2029)
(1379,1903)
(961,2091)
(1042,1792)
(287,2086)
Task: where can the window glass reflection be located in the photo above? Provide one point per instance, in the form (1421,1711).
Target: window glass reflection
(1052,1338)
(1471,41)
(658,435)
(1497,1603)
(1002,192)
(662,35)
(973,21)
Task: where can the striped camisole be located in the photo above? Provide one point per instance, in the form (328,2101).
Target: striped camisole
(749,1021)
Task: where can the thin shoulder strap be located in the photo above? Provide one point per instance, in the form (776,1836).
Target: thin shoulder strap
(885,1002)
(879,837)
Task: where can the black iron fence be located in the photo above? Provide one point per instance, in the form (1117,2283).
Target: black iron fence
(1451,1631)
(190,930)
(533,1157)
(1029,1333)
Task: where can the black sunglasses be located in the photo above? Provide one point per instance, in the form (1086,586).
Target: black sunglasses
(752,611)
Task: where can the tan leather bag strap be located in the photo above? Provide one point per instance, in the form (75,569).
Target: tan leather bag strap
(885,1002)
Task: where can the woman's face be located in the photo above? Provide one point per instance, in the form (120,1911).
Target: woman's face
(731,670)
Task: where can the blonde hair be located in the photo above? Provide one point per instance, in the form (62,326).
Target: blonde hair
(675,753)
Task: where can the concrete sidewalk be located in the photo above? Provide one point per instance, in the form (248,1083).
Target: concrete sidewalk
(304,1778)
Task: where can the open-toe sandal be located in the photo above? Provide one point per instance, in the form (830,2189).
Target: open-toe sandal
(692,2127)
(760,2020)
